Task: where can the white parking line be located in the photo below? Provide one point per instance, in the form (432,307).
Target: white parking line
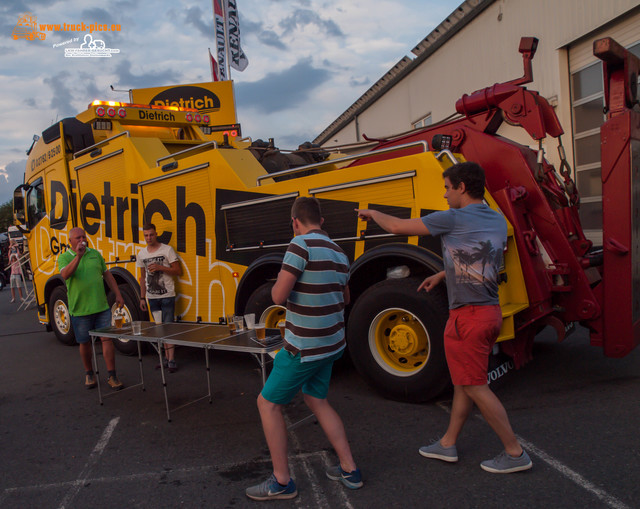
(315,485)
(318,496)
(342,491)
(567,472)
(610,500)
(93,458)
(186,471)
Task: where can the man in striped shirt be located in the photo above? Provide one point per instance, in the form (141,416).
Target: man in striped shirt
(313,282)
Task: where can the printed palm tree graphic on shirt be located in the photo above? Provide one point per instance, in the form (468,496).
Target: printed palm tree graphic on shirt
(155,282)
(470,265)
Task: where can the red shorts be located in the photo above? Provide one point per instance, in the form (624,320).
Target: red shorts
(469,336)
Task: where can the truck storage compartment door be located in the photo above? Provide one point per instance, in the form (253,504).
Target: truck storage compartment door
(391,193)
(181,207)
(108,207)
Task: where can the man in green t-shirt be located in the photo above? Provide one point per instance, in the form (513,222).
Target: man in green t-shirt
(84,270)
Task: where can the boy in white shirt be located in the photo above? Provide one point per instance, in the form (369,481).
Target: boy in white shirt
(159,265)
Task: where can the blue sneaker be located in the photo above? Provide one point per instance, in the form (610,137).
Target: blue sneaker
(506,464)
(272,490)
(352,480)
(437,451)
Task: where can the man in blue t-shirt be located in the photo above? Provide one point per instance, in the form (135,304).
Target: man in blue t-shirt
(473,240)
(313,283)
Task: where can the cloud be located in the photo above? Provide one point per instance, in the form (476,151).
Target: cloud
(62,96)
(89,85)
(282,90)
(355,82)
(294,140)
(265,36)
(97,15)
(12,7)
(270,38)
(11,176)
(303,17)
(194,16)
(149,79)
(125,5)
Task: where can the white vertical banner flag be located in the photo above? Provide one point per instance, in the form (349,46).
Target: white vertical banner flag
(220,40)
(237,58)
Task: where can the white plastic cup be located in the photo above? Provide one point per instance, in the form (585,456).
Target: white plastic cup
(239,323)
(136,327)
(250,319)
(157,316)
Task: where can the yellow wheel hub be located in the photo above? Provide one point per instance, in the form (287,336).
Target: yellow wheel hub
(272,315)
(399,342)
(61,316)
(403,339)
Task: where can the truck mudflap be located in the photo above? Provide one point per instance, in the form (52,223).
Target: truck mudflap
(620,142)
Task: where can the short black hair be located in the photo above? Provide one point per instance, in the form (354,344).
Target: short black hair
(306,209)
(149,226)
(471,174)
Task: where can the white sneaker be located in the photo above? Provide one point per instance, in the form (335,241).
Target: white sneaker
(13,300)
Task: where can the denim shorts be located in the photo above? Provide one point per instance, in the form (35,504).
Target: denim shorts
(165,304)
(83,324)
(16,281)
(289,375)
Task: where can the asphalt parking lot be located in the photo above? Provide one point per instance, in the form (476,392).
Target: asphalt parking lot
(576,412)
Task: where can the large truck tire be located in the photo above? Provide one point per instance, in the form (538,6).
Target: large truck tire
(59,316)
(3,281)
(395,339)
(261,304)
(132,312)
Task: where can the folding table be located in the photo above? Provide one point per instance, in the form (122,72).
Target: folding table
(196,335)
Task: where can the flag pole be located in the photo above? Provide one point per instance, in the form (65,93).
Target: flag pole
(221,46)
(225,13)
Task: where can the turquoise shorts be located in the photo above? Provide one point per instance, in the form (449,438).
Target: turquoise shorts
(289,375)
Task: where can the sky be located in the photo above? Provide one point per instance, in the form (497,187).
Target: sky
(309,60)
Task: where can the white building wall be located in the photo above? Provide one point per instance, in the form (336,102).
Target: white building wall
(486,52)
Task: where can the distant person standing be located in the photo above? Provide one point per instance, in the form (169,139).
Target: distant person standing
(84,271)
(159,265)
(16,273)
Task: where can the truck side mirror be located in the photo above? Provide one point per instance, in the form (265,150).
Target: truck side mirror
(19,213)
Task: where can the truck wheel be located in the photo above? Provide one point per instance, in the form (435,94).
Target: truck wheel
(261,303)
(132,312)
(59,316)
(395,339)
(3,282)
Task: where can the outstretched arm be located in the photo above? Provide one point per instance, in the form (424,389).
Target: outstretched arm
(394,224)
(432,281)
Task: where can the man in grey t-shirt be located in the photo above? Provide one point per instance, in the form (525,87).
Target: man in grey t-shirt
(473,239)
